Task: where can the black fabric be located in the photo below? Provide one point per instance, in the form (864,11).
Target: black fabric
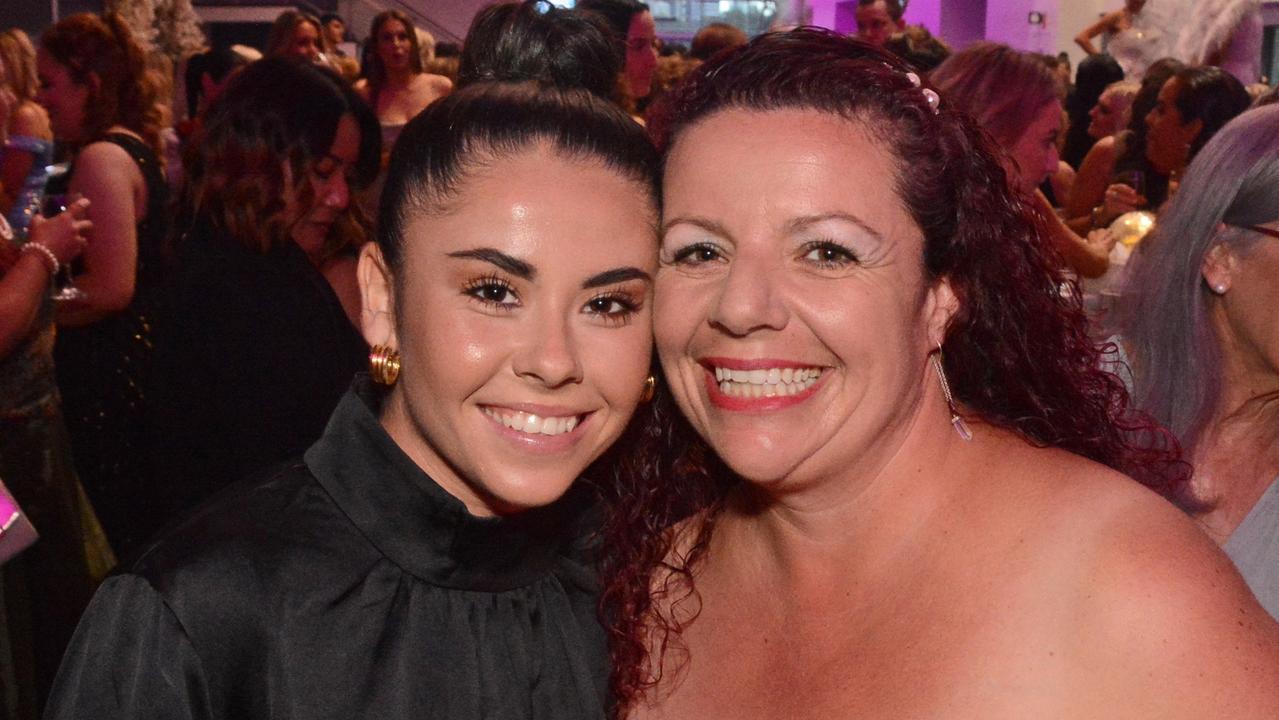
(103,367)
(349,585)
(253,353)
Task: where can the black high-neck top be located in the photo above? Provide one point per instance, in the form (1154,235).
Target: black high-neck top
(346,585)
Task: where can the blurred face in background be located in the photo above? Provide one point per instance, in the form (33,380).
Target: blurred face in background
(329,190)
(874,25)
(335,31)
(306,42)
(62,97)
(1109,115)
(394,45)
(1035,153)
(641,54)
(1168,134)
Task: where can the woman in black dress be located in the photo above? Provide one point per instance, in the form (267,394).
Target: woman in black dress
(427,557)
(102,103)
(258,341)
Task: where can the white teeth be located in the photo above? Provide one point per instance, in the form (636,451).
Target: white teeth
(771,382)
(533,424)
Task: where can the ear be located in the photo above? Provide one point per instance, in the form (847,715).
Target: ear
(1218,269)
(377,296)
(939,309)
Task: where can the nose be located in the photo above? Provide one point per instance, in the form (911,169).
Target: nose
(748,301)
(336,192)
(1051,160)
(548,355)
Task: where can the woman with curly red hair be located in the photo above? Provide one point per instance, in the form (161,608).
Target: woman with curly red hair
(911,497)
(102,103)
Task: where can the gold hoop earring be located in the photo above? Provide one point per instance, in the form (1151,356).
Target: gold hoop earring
(384,365)
(650,389)
(961,427)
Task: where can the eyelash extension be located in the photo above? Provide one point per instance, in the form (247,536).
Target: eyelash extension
(848,255)
(474,287)
(629,307)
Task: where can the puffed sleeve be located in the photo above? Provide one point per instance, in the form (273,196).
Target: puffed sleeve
(130,658)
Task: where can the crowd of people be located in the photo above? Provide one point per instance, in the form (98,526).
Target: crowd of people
(567,373)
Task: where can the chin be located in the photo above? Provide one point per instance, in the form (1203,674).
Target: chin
(522,493)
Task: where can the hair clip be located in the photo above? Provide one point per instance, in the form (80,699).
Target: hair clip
(933,99)
(913,78)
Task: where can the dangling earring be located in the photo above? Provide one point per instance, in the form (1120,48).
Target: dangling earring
(384,365)
(650,389)
(960,426)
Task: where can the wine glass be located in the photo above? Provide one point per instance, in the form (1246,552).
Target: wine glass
(52,206)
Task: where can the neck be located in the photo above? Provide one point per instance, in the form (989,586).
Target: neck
(399,77)
(1237,456)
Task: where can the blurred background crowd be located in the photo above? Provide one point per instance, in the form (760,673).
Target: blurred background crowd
(176,314)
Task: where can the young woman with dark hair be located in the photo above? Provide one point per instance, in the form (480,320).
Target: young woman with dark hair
(924,511)
(257,341)
(1188,109)
(396,83)
(636,34)
(1121,157)
(426,557)
(102,102)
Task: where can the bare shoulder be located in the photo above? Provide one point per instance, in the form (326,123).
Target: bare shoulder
(101,165)
(1105,148)
(428,88)
(31,120)
(1163,596)
(1152,614)
(102,155)
(438,83)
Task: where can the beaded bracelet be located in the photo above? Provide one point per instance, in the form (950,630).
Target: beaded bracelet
(50,260)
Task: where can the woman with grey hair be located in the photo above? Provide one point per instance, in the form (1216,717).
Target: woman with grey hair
(1196,319)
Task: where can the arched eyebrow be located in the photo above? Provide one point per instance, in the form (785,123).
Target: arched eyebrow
(704,223)
(800,223)
(616,275)
(509,263)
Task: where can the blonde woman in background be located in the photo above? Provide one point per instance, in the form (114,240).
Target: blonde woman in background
(28,142)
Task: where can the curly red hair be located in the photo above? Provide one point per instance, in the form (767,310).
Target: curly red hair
(1018,352)
(127,92)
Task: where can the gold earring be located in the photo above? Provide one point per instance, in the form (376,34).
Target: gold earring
(384,365)
(960,426)
(650,388)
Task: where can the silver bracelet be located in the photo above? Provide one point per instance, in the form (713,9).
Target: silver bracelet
(51,260)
